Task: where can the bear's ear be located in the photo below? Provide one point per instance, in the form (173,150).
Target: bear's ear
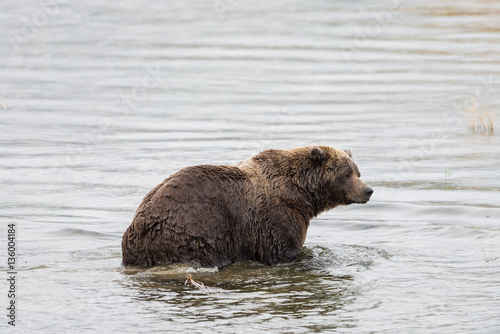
(348,153)
(317,155)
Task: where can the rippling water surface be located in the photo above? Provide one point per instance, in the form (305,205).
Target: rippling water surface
(99,102)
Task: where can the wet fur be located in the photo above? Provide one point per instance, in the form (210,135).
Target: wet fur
(257,210)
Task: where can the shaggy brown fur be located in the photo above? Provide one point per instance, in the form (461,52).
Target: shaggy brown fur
(257,210)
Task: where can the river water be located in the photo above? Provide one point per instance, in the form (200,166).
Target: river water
(99,102)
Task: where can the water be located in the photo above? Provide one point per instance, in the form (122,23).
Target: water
(100,102)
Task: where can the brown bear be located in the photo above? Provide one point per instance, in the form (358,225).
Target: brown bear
(257,210)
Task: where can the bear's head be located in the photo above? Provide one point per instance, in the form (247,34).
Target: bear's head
(337,177)
(327,176)
(330,176)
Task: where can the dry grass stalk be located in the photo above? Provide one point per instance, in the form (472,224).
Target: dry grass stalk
(480,121)
(488,258)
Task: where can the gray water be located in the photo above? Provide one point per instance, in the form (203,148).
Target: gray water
(101,102)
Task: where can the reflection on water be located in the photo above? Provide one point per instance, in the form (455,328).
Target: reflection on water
(310,287)
(102,101)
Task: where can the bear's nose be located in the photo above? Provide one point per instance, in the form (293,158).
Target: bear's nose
(368,191)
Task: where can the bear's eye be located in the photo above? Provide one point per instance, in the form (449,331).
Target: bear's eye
(348,175)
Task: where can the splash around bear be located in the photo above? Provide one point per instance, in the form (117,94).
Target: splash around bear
(257,210)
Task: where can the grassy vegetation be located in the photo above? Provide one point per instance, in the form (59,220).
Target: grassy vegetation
(488,257)
(480,121)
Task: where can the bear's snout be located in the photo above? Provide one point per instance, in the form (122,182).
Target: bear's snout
(367,193)
(364,196)
(361,193)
